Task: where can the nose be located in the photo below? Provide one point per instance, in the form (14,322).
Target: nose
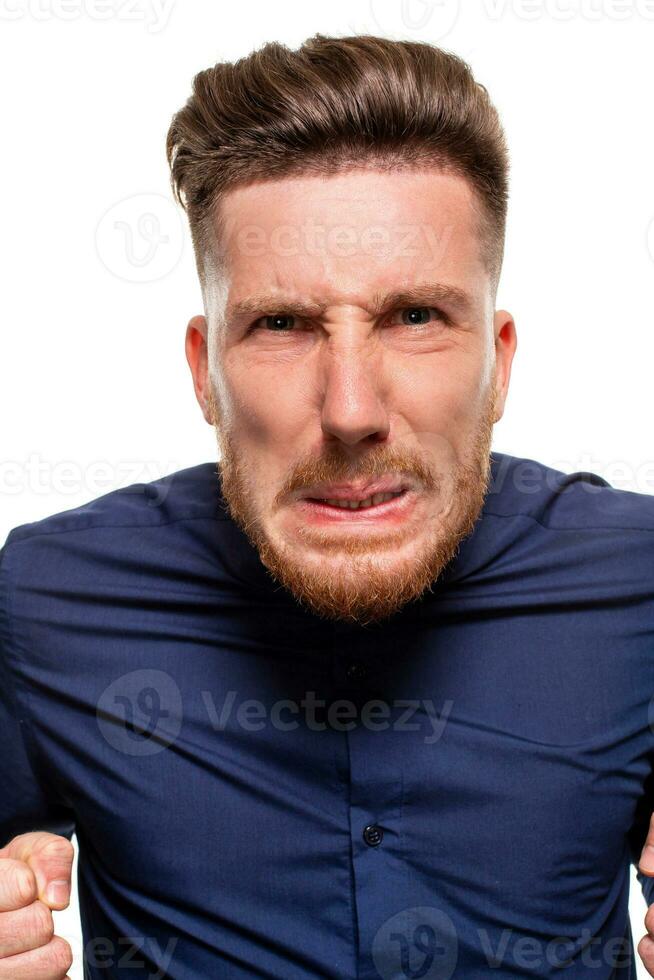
(352,408)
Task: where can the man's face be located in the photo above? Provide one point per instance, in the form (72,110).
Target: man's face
(352,350)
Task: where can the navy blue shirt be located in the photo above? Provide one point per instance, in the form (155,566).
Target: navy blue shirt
(260,792)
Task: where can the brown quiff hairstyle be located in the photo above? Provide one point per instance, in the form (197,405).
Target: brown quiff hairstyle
(333,104)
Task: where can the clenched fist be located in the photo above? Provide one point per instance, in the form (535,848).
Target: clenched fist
(646,867)
(35,871)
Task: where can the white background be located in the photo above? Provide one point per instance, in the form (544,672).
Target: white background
(94,385)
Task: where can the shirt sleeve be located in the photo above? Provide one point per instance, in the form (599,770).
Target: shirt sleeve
(26,801)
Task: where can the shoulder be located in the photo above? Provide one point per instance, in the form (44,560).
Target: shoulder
(122,531)
(541,527)
(580,501)
(183,495)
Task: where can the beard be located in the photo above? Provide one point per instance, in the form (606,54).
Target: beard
(366,583)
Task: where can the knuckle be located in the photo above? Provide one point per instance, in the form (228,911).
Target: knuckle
(58,848)
(61,954)
(644,949)
(42,924)
(20,883)
(25,929)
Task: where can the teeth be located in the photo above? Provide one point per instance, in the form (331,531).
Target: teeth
(378,498)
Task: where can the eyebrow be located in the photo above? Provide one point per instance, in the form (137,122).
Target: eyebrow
(419,294)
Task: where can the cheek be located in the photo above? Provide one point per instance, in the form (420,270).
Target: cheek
(267,406)
(441,396)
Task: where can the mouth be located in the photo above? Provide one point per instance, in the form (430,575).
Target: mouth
(388,506)
(345,503)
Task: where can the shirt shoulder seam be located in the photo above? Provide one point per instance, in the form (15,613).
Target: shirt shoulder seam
(581,527)
(15,534)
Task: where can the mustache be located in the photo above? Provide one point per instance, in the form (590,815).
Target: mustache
(337,466)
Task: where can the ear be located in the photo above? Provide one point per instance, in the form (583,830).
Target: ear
(198,359)
(506,341)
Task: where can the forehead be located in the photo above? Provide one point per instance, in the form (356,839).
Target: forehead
(337,238)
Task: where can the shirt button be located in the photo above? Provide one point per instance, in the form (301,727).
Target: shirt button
(356,671)
(373,834)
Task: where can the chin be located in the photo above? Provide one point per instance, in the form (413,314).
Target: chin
(365,588)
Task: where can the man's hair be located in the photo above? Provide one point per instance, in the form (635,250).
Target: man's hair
(331,105)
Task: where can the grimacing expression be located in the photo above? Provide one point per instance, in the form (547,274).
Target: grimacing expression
(350,349)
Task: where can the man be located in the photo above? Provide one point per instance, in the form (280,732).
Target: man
(365,700)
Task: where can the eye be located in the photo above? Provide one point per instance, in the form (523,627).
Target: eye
(274,323)
(412,316)
(419,316)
